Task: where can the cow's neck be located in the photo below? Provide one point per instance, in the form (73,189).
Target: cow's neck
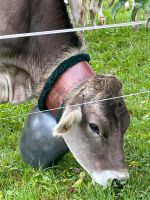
(69,75)
(39,56)
(54,48)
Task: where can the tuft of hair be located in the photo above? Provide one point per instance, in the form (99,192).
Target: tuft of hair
(67,122)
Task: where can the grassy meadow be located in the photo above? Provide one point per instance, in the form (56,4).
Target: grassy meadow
(126,54)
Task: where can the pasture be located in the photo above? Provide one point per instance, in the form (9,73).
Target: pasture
(126,54)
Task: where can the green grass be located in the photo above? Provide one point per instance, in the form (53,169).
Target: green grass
(126,54)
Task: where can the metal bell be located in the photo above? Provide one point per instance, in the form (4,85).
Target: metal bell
(38,146)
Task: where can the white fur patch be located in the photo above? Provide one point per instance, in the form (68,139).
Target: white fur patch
(102,177)
(67,122)
(15,85)
(127,5)
(4,90)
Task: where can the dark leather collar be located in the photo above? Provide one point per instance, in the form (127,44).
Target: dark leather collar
(68,81)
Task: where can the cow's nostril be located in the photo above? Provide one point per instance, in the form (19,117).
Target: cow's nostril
(117,184)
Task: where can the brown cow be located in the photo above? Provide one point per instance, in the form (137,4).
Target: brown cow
(93,132)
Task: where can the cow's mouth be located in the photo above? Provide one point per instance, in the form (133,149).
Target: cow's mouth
(103,177)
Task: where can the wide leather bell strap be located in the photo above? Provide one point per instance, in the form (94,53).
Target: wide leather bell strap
(69,80)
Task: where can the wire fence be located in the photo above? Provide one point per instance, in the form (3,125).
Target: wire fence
(89,28)
(42,33)
(81,104)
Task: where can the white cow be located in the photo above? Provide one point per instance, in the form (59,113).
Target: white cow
(81,8)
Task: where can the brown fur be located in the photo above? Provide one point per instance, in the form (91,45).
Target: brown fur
(97,87)
(36,56)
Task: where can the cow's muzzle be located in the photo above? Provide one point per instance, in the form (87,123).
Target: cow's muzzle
(102,177)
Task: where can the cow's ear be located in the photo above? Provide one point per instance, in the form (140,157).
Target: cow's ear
(70,118)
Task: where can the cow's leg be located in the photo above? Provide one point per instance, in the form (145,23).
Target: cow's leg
(15,84)
(93,11)
(146,9)
(127,5)
(147,17)
(110,3)
(85,11)
(102,18)
(79,11)
(135,13)
(76,11)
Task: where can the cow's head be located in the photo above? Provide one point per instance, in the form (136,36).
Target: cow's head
(94,132)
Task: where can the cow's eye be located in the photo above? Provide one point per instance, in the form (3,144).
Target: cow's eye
(94,128)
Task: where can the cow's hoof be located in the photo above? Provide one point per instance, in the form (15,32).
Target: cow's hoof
(148,24)
(127,6)
(38,146)
(135,27)
(102,20)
